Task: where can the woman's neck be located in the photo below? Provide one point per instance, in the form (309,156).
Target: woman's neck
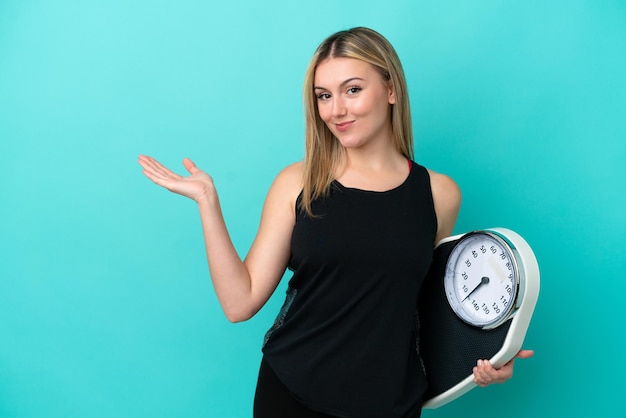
(381,170)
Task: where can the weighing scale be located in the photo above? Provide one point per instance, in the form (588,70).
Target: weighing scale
(477,302)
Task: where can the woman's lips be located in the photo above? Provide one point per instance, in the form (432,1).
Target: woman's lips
(342,127)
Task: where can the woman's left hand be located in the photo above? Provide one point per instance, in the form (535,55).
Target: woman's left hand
(485,374)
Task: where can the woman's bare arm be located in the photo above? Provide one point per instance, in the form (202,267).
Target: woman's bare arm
(242,286)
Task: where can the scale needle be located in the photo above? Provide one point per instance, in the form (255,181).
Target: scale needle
(483,281)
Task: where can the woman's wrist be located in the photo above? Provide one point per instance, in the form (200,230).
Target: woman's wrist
(208,199)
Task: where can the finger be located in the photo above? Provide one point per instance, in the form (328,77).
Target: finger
(154,171)
(525,354)
(154,166)
(485,374)
(149,163)
(155,179)
(481,375)
(520,354)
(190,166)
(157,169)
(480,379)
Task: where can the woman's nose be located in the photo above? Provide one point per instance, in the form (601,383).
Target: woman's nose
(339,107)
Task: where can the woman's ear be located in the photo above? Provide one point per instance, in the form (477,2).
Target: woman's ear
(392,94)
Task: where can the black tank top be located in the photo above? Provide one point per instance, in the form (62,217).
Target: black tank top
(345,342)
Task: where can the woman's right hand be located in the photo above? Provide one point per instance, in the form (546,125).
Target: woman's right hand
(195,186)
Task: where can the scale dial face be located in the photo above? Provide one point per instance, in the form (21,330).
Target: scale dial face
(482,279)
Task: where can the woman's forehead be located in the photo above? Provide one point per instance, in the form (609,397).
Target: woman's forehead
(337,70)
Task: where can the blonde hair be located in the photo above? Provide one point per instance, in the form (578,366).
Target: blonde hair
(323,153)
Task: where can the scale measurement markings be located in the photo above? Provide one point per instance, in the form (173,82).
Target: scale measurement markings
(484,276)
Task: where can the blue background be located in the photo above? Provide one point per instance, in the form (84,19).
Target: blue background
(106,307)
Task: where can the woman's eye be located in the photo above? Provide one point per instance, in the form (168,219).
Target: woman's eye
(323,96)
(354,90)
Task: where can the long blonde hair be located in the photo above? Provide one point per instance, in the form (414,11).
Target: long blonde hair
(323,152)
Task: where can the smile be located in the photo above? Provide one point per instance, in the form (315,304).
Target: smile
(342,127)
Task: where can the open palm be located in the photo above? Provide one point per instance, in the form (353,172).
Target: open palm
(194,186)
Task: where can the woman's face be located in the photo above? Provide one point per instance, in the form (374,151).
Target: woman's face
(354,101)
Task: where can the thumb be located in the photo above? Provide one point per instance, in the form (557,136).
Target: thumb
(190,166)
(525,354)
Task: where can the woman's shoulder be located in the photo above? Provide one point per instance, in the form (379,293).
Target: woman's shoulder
(447,200)
(288,182)
(291,176)
(444,185)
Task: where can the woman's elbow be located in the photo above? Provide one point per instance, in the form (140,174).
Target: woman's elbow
(238,315)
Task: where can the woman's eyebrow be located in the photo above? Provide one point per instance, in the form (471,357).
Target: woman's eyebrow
(343,83)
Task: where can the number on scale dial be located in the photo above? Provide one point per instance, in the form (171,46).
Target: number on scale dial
(481,279)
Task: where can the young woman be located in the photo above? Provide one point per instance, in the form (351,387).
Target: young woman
(356,222)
